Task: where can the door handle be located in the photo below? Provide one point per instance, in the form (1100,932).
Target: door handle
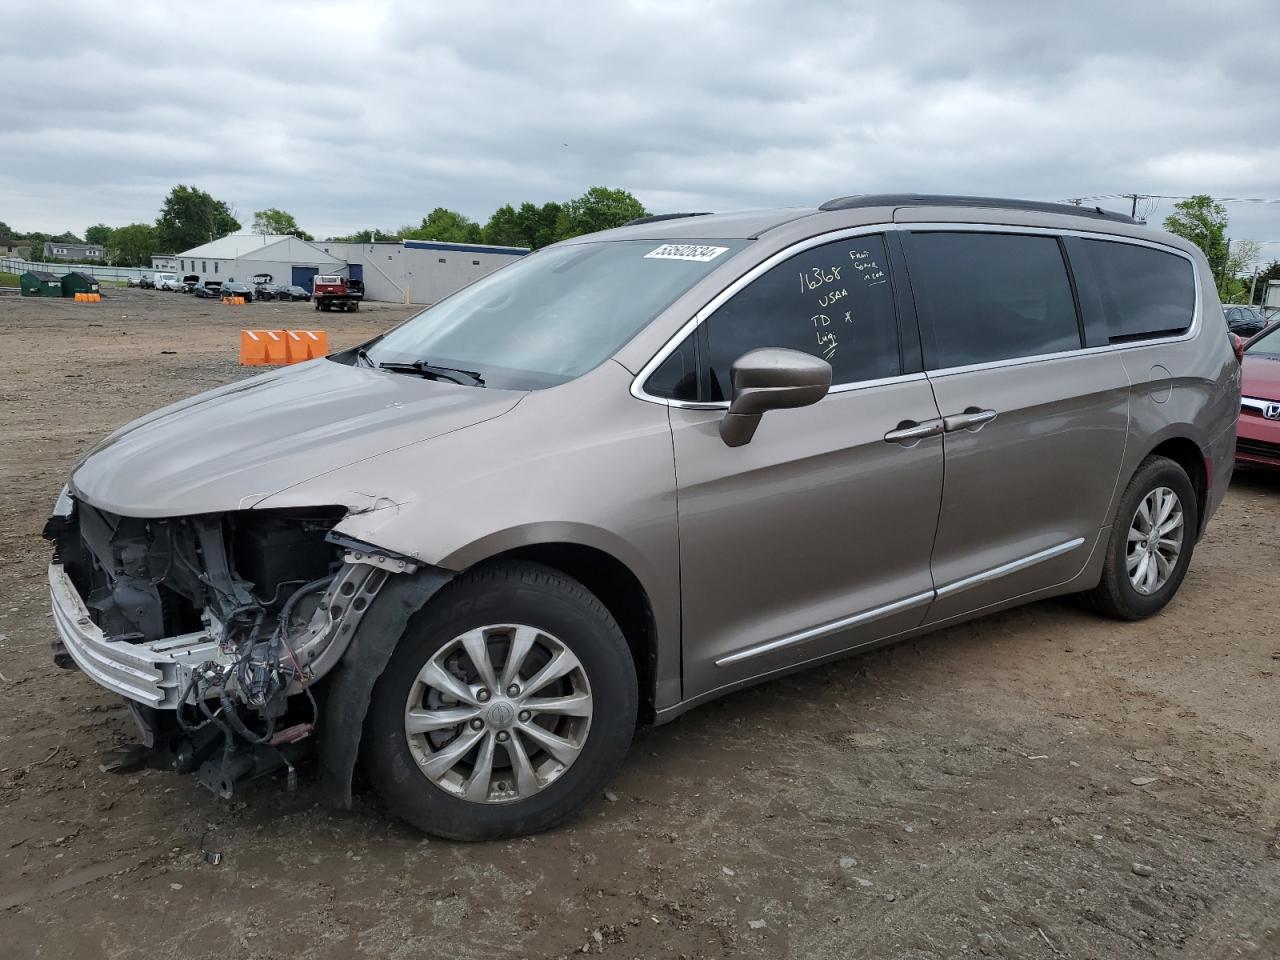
(971,419)
(909,432)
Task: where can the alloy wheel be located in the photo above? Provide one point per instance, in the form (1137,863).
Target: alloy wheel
(1155,540)
(498,713)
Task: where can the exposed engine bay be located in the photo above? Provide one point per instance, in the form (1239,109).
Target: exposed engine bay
(215,627)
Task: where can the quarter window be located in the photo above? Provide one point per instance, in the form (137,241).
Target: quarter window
(983,297)
(1144,292)
(834,301)
(677,376)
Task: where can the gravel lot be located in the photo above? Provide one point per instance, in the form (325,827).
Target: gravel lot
(1038,784)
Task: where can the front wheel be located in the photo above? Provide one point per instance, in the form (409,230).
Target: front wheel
(1152,537)
(508,705)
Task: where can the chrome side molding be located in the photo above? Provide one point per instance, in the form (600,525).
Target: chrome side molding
(898,606)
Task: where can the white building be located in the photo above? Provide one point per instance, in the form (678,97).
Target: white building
(418,271)
(400,271)
(242,255)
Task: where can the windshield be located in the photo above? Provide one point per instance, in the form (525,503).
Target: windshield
(1267,345)
(553,315)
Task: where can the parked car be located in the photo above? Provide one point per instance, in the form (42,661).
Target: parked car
(637,470)
(160,281)
(190,282)
(1244,321)
(293,292)
(208,289)
(1258,440)
(267,291)
(133,281)
(234,289)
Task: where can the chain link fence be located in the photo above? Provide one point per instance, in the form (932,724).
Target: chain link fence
(97,270)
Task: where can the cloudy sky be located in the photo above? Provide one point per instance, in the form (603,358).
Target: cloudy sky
(365,114)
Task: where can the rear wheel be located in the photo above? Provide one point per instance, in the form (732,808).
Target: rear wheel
(508,705)
(1152,538)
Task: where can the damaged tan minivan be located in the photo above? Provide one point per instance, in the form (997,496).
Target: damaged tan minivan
(638,470)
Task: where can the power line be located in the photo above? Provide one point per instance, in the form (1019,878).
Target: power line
(1168,196)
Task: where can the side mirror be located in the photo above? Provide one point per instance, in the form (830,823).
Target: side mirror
(771,379)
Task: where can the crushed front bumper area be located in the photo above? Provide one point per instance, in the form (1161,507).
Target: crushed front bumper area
(156,673)
(153,674)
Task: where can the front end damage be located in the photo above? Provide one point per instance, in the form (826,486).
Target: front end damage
(219,628)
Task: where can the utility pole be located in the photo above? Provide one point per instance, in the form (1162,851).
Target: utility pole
(1133,206)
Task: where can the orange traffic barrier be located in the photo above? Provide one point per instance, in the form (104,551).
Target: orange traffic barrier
(234,301)
(305,344)
(88,298)
(271,347)
(261,347)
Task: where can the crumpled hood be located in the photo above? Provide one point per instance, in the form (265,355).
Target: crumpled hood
(229,448)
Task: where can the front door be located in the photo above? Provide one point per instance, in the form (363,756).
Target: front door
(814,537)
(1034,429)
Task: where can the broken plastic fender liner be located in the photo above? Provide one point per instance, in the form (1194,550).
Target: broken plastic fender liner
(350,684)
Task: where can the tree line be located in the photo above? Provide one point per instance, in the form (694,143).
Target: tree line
(1204,222)
(191,216)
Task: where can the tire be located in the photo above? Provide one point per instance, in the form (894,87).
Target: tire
(556,610)
(1116,594)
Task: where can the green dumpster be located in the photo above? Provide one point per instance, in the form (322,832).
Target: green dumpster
(76,282)
(38,283)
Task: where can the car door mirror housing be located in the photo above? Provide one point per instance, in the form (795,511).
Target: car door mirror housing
(771,378)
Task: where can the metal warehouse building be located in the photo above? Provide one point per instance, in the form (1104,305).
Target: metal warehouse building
(241,255)
(418,271)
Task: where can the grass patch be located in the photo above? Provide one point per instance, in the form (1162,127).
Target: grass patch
(9,280)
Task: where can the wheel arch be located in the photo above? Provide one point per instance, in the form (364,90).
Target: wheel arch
(618,588)
(1187,454)
(600,570)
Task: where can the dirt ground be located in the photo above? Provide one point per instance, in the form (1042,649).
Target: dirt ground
(1038,784)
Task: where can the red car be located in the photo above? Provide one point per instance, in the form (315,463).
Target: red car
(1258,437)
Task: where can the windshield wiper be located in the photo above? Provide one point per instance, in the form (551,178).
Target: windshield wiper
(468,378)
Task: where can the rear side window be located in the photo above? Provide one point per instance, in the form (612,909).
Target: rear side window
(983,297)
(1142,292)
(834,301)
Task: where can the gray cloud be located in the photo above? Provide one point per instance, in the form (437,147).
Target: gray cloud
(354,115)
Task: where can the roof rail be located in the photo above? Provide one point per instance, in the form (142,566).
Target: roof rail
(950,200)
(655,217)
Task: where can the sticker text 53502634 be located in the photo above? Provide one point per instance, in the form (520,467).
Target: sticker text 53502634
(698,252)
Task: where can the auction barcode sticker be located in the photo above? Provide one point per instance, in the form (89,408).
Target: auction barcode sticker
(685,251)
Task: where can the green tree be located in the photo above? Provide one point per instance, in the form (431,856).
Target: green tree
(1239,271)
(99,233)
(539,223)
(275,221)
(1204,223)
(600,208)
(133,245)
(366,236)
(503,228)
(191,217)
(447,226)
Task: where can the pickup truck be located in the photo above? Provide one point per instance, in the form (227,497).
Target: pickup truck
(331,292)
